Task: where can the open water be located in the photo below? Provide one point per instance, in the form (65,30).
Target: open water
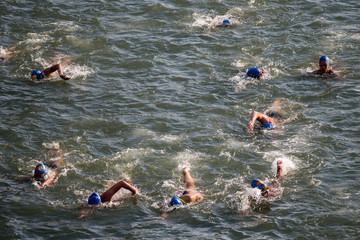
(156,87)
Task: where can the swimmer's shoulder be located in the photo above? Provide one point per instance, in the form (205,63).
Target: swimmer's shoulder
(317,72)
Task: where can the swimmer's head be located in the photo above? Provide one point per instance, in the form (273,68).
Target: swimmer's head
(2,59)
(324,59)
(255,72)
(40,169)
(36,74)
(94,199)
(175,201)
(267,126)
(226,23)
(256,183)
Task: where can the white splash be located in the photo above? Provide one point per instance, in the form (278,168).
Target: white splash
(76,71)
(51,145)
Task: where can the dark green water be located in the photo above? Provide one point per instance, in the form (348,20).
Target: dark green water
(155,87)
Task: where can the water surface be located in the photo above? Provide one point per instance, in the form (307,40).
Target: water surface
(155,87)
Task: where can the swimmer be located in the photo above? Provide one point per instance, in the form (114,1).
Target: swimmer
(267,120)
(47,72)
(56,66)
(268,190)
(324,63)
(12,52)
(227,23)
(96,200)
(272,189)
(188,196)
(46,173)
(255,72)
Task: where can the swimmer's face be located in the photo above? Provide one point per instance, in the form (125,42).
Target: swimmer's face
(261,73)
(37,174)
(264,191)
(323,66)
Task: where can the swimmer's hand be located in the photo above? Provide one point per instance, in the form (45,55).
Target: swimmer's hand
(162,216)
(65,77)
(84,213)
(250,127)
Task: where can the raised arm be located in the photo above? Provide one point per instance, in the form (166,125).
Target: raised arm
(262,118)
(106,196)
(53,68)
(254,115)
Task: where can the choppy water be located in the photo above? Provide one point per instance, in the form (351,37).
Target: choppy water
(155,87)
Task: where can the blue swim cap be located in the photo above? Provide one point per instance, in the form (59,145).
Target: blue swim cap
(253,72)
(40,168)
(267,126)
(36,74)
(226,22)
(256,183)
(324,59)
(94,199)
(175,201)
(2,59)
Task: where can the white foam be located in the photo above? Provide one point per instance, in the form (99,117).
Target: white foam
(35,38)
(226,154)
(240,82)
(3,50)
(168,138)
(186,158)
(169,184)
(206,20)
(131,157)
(42,61)
(315,182)
(240,64)
(287,163)
(67,26)
(51,145)
(201,20)
(79,42)
(75,70)
(143,132)
(246,196)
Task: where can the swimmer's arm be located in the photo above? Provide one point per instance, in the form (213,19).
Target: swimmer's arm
(84,212)
(254,115)
(317,72)
(162,216)
(129,187)
(250,126)
(337,75)
(11,51)
(198,197)
(49,180)
(106,196)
